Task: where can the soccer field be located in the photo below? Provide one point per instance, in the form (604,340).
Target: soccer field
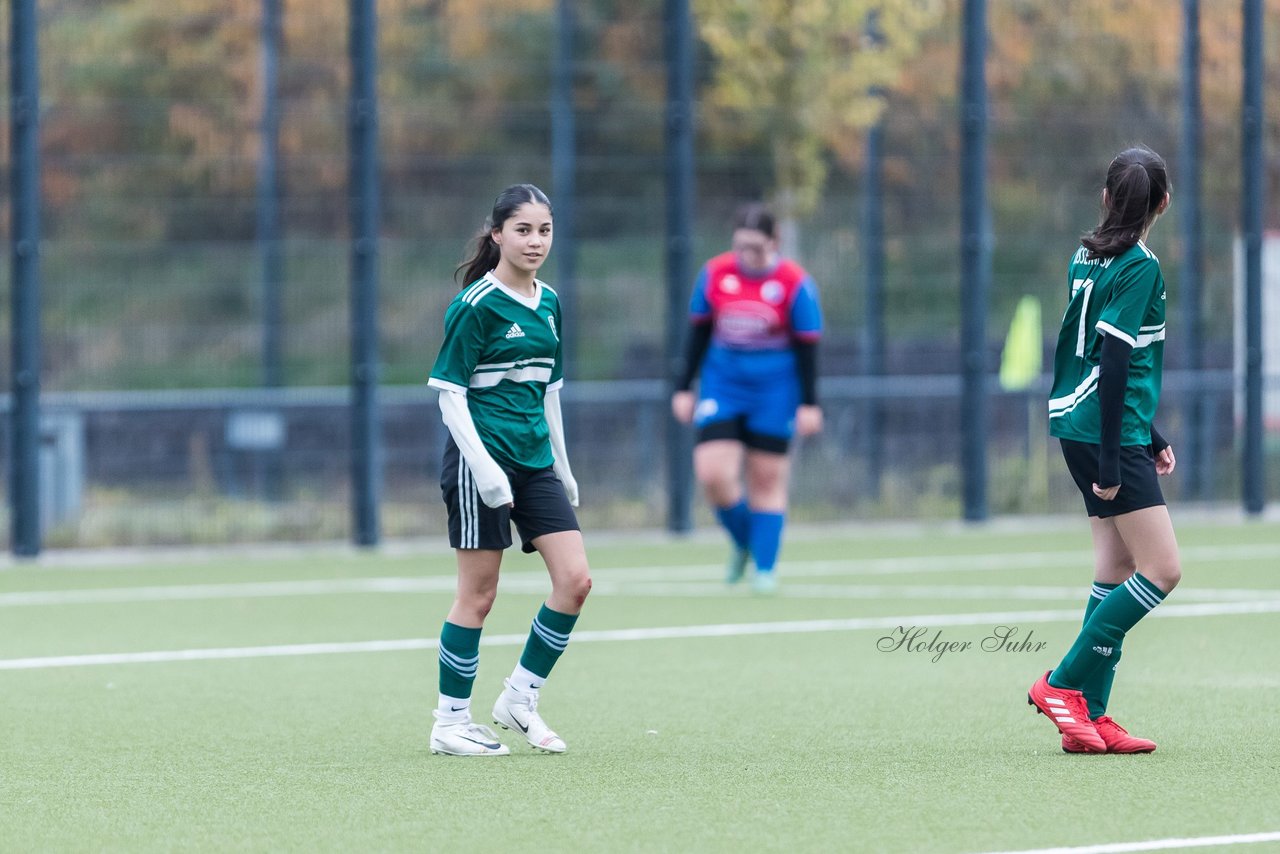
(240,701)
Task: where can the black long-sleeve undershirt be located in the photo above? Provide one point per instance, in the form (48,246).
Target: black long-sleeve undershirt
(1113,377)
(695,347)
(807,368)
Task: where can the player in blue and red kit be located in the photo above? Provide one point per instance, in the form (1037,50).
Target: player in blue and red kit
(755,325)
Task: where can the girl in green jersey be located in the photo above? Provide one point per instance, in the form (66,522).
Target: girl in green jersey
(1106,387)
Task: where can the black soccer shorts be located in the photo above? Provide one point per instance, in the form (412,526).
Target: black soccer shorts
(1139,484)
(541,506)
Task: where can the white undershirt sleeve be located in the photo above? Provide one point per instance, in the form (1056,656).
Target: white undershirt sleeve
(555,424)
(491,480)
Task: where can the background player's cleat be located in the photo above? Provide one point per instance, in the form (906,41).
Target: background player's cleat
(519,712)
(1116,737)
(1069,712)
(737,565)
(764,582)
(465,738)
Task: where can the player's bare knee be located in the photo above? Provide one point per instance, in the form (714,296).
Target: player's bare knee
(1168,574)
(583,590)
(478,603)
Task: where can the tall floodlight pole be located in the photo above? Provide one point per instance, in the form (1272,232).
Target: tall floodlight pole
(678,46)
(366,480)
(873,308)
(1189,206)
(269,197)
(975,254)
(24,207)
(1253,178)
(564,189)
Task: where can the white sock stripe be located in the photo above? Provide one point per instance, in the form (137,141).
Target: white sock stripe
(464,672)
(457,662)
(1154,593)
(551,632)
(1142,597)
(557,645)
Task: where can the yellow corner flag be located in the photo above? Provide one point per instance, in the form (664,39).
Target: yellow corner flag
(1023,354)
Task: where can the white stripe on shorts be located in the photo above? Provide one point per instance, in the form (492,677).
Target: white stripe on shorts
(466,509)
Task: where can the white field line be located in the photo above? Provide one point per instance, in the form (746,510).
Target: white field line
(537,582)
(1157,844)
(721,630)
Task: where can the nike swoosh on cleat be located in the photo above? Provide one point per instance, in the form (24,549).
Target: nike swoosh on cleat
(489,744)
(524,728)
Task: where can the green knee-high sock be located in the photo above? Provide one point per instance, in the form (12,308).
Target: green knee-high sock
(1114,616)
(547,639)
(459,657)
(1098,688)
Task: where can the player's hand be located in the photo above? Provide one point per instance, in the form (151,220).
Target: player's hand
(1165,461)
(1107,494)
(682,404)
(808,420)
(495,493)
(570,488)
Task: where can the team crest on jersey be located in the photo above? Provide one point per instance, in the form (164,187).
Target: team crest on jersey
(551,321)
(772,292)
(730,284)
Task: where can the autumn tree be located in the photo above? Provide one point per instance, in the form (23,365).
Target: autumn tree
(807,77)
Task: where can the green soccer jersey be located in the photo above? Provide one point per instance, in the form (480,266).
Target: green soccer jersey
(502,350)
(1121,296)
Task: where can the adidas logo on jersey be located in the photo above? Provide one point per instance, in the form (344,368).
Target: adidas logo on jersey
(515,331)
(1103,650)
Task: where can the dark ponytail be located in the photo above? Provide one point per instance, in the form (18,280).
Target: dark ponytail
(486,254)
(1137,182)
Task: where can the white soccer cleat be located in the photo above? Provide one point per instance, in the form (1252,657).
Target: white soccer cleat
(519,712)
(465,738)
(765,583)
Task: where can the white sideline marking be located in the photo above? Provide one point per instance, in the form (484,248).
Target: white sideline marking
(608,578)
(1157,844)
(660,633)
(537,582)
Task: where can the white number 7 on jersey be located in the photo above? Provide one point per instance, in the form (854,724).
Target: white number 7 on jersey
(1085,285)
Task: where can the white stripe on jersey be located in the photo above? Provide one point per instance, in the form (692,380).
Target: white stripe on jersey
(518,375)
(535,360)
(1059,406)
(1103,326)
(480,293)
(1148,335)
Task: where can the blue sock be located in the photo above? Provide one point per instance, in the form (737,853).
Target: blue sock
(766,538)
(737,521)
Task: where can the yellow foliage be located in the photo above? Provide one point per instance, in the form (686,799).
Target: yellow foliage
(803,75)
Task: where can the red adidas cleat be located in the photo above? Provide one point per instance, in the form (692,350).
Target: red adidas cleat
(1069,712)
(1117,738)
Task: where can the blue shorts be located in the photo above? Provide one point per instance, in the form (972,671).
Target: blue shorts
(757,412)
